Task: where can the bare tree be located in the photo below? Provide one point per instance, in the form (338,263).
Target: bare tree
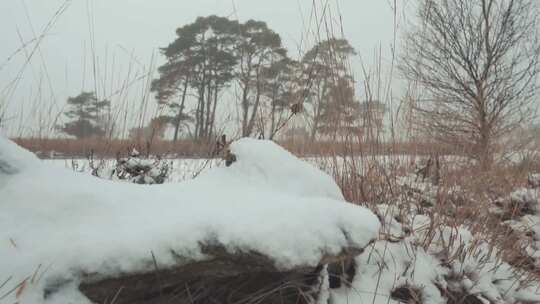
(477,63)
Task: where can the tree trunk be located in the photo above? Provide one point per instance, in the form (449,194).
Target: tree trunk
(180,112)
(316,117)
(485,156)
(245,108)
(246,77)
(208,108)
(201,108)
(272,119)
(213,117)
(251,122)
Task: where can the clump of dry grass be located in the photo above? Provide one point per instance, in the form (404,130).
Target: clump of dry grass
(462,198)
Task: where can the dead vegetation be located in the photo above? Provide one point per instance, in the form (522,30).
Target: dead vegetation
(455,194)
(48,148)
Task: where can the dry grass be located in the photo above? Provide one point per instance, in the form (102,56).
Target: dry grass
(108,148)
(464,197)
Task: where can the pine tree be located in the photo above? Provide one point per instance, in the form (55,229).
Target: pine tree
(86,113)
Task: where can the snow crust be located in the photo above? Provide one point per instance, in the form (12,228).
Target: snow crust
(56,224)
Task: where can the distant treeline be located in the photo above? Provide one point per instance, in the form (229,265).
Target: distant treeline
(103,148)
(223,74)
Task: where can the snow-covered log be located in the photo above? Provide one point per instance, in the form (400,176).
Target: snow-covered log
(224,277)
(71,238)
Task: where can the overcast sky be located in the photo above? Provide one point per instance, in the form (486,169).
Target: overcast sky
(127,32)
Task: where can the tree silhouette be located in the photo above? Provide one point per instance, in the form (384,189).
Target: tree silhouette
(258,48)
(326,70)
(477,62)
(200,60)
(86,114)
(280,89)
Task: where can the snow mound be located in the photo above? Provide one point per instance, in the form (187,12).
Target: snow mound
(56,225)
(13,158)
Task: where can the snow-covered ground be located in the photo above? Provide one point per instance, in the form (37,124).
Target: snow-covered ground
(181,168)
(423,258)
(186,168)
(56,225)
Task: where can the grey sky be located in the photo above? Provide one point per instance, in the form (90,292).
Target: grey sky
(132,30)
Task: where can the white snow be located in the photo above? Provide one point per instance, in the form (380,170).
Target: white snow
(473,268)
(181,169)
(387,266)
(420,252)
(56,224)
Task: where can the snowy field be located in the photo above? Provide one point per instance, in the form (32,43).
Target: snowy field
(186,168)
(181,169)
(58,226)
(61,226)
